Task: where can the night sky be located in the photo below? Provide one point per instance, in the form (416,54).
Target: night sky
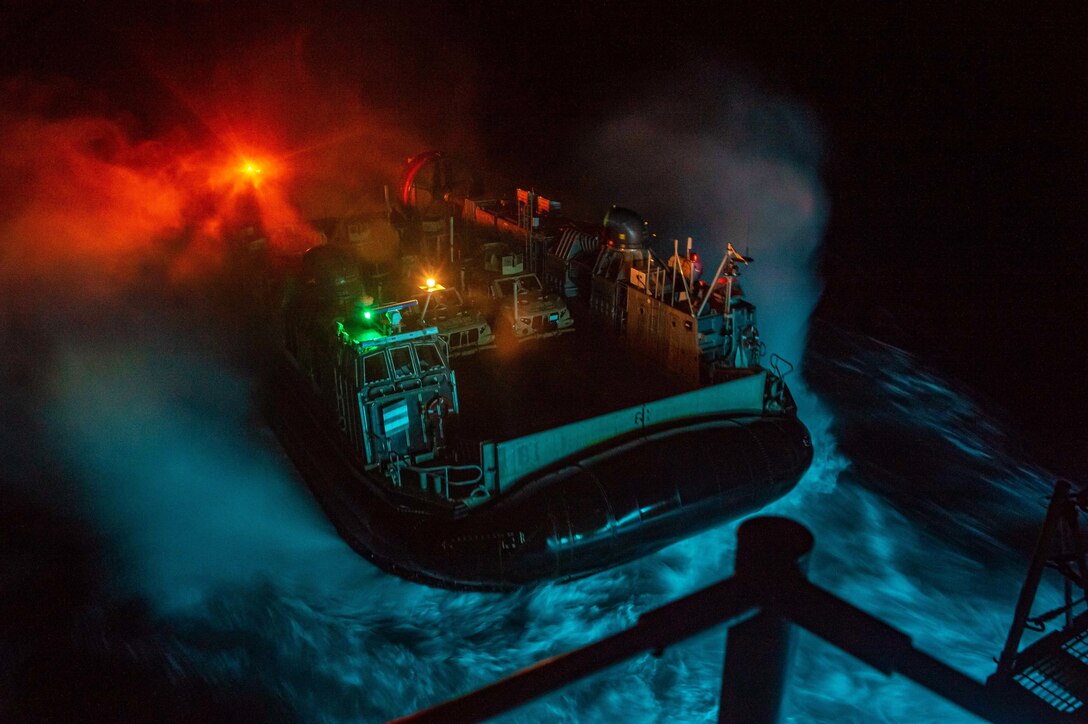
(947,147)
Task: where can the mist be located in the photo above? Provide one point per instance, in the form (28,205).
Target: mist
(128,378)
(722,158)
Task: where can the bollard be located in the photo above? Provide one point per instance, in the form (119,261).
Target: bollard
(773,551)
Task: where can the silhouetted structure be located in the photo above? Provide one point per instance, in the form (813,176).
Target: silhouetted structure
(769,592)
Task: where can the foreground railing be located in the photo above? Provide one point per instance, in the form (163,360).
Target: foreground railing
(768,593)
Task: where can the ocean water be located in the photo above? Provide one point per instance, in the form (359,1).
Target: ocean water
(165,562)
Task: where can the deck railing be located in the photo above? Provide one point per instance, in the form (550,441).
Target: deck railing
(768,594)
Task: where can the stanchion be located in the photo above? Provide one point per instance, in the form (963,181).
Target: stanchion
(772,551)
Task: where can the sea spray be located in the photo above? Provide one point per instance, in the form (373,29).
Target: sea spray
(159,433)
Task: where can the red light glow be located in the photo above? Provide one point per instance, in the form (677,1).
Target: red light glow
(90,194)
(261,144)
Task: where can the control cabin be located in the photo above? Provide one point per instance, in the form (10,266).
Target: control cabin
(394,393)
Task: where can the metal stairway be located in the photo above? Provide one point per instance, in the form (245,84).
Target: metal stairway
(1054,668)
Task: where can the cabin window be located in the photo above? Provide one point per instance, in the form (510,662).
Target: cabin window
(429,358)
(402,362)
(375,368)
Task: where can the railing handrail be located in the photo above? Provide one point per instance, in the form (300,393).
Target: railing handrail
(771,584)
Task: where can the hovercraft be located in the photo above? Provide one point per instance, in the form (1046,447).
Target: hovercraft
(625,406)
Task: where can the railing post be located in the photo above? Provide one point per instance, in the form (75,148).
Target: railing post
(1059,501)
(770,550)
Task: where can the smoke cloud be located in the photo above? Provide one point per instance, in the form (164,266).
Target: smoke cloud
(121,358)
(725,160)
(135,469)
(120,208)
